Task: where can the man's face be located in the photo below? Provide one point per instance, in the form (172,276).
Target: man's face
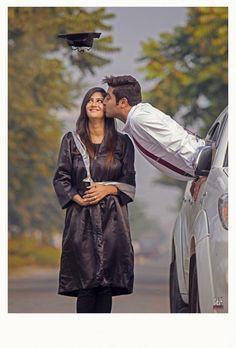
(111,108)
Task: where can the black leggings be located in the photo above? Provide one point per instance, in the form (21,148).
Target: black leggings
(96,300)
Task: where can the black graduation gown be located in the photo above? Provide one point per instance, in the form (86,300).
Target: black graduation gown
(96,244)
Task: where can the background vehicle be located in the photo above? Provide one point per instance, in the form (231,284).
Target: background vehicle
(199,265)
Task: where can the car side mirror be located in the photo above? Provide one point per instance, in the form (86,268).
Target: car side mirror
(202,163)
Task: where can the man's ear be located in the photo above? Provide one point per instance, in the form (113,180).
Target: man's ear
(123,102)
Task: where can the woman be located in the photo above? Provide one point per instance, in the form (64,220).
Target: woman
(97,254)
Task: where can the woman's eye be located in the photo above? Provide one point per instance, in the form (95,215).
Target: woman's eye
(98,101)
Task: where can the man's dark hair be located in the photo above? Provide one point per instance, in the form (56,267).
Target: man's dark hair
(125,87)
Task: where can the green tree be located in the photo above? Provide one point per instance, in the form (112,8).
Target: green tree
(189,67)
(45,77)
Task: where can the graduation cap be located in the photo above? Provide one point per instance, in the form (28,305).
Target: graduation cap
(80,41)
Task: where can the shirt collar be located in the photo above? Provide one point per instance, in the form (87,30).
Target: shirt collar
(127,123)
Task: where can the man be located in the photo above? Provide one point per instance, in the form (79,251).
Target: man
(160,139)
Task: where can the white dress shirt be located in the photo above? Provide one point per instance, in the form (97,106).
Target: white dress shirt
(162,141)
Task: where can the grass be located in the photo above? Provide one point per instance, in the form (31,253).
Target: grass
(27,251)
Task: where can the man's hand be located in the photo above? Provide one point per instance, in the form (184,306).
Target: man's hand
(95,192)
(196,185)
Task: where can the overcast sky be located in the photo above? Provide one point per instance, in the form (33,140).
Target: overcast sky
(131,26)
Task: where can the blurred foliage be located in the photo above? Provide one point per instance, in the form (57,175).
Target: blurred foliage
(188,69)
(28,251)
(45,77)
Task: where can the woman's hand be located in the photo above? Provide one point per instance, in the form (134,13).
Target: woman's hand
(80,200)
(95,192)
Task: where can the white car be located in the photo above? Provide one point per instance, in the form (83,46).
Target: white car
(199,265)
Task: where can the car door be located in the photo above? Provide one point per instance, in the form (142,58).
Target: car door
(193,204)
(212,241)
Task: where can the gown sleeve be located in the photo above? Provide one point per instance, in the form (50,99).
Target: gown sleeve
(62,180)
(128,171)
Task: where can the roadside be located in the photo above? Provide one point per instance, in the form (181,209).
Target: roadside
(34,290)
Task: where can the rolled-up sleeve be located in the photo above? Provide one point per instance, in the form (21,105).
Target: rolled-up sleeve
(128,170)
(62,180)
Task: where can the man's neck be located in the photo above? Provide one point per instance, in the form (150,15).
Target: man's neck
(124,114)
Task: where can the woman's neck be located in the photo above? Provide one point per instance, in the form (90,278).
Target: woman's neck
(97,130)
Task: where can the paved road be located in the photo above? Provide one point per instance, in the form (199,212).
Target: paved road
(35,292)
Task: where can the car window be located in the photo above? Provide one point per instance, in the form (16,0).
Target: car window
(212,135)
(215,132)
(223,123)
(226,158)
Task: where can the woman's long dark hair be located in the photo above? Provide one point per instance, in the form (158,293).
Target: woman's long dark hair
(82,128)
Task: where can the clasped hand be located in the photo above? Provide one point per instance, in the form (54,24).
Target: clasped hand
(95,193)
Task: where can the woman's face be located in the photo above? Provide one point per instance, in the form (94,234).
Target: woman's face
(95,107)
